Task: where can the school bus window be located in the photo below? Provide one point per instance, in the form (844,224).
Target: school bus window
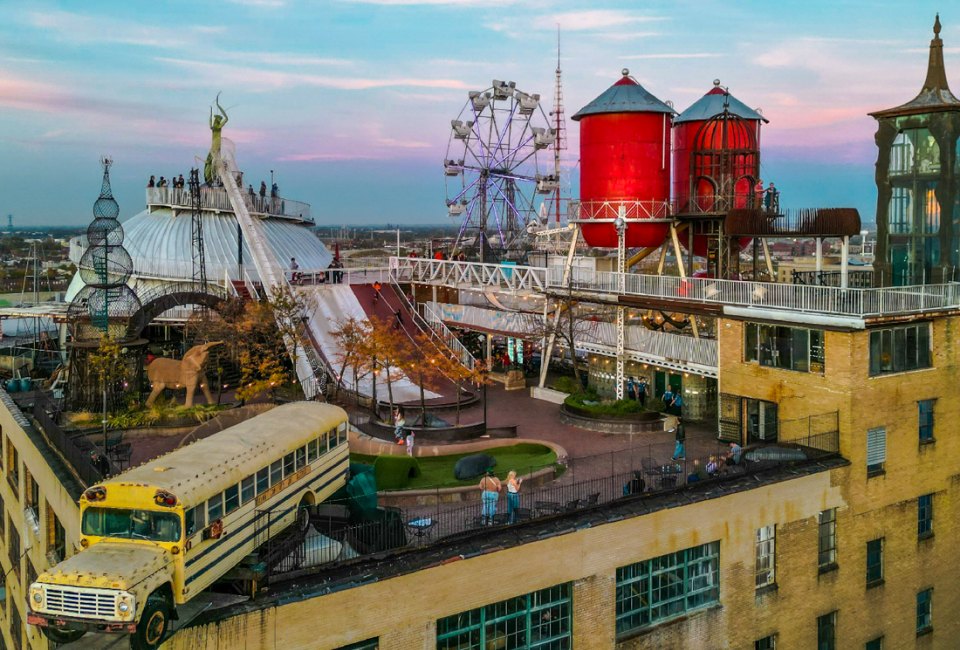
(311,451)
(322,444)
(246,489)
(263,480)
(215,507)
(232,500)
(288,465)
(301,457)
(276,472)
(131,524)
(331,438)
(193,520)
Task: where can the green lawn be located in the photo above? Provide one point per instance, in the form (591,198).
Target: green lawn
(437,471)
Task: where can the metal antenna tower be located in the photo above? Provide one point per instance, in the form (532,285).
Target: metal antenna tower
(559,125)
(196,227)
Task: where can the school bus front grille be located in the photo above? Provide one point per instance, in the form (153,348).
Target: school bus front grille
(88,604)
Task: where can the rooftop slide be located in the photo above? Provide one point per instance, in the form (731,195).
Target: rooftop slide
(330,305)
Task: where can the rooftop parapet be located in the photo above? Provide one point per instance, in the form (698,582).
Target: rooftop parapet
(215,199)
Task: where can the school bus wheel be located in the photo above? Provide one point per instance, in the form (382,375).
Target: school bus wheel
(62,636)
(153,623)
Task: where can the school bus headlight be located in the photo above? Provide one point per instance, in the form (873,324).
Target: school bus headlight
(36,595)
(125,606)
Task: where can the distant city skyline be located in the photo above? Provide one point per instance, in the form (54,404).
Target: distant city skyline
(349,101)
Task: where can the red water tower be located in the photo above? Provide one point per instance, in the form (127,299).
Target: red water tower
(624,166)
(716,160)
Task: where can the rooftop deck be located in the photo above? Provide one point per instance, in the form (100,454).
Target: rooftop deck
(732,297)
(215,199)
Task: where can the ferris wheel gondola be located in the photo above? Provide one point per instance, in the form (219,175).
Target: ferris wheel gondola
(493,177)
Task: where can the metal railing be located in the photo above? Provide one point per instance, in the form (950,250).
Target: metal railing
(855,279)
(217,199)
(627,210)
(78,458)
(644,345)
(626,474)
(505,277)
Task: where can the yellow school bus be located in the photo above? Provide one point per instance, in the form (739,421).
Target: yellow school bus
(159,534)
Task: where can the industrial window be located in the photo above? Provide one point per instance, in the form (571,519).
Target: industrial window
(13,548)
(668,586)
(766,643)
(231,499)
(874,562)
(3,518)
(766,556)
(827,539)
(925,408)
(876,450)
(31,491)
(925,516)
(541,619)
(790,348)
(827,631)
(13,468)
(924,611)
(247,489)
(369,644)
(263,480)
(56,535)
(874,644)
(900,349)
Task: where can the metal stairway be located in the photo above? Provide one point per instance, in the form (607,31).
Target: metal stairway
(308,362)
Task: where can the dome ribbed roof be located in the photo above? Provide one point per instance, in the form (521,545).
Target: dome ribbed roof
(712,104)
(625,96)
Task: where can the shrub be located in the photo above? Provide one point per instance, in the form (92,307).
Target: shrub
(589,404)
(568,385)
(395,472)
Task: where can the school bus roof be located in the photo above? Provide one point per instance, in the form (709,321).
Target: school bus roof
(210,464)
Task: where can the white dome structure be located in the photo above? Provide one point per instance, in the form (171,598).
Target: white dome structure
(160,240)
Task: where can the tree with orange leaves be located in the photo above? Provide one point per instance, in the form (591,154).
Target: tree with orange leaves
(422,364)
(386,350)
(352,337)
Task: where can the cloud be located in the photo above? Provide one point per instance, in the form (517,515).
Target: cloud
(677,55)
(258,79)
(79,28)
(593,19)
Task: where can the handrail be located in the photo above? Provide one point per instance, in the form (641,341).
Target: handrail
(218,199)
(434,326)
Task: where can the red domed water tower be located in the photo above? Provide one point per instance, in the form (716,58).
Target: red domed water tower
(624,166)
(716,161)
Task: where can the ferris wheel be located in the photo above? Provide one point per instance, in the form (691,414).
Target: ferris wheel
(493,179)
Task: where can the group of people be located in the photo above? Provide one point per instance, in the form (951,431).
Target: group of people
(490,489)
(769,198)
(176,182)
(335,271)
(637,389)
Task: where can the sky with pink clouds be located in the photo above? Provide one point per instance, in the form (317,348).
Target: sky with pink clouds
(350,101)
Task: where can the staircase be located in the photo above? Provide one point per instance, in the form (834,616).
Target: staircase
(308,363)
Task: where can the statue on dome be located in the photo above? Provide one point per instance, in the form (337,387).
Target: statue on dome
(217,122)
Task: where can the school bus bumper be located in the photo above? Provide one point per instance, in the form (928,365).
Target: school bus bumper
(72,623)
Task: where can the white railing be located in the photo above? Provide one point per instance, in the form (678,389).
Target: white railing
(700,356)
(216,198)
(506,277)
(433,320)
(628,210)
(735,293)
(345,276)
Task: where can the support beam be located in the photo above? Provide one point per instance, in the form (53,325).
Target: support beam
(766,258)
(844,255)
(676,249)
(819,243)
(547,351)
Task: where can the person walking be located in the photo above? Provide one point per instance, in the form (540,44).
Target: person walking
(642,391)
(410,443)
(631,389)
(376,291)
(513,495)
(398,423)
(680,435)
(490,494)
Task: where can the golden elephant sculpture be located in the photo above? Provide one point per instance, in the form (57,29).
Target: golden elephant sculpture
(186,372)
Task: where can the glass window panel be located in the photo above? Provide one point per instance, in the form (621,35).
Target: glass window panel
(247,491)
(827,538)
(215,507)
(276,472)
(827,631)
(301,455)
(311,451)
(925,515)
(288,464)
(765,556)
(924,610)
(874,561)
(263,480)
(231,498)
